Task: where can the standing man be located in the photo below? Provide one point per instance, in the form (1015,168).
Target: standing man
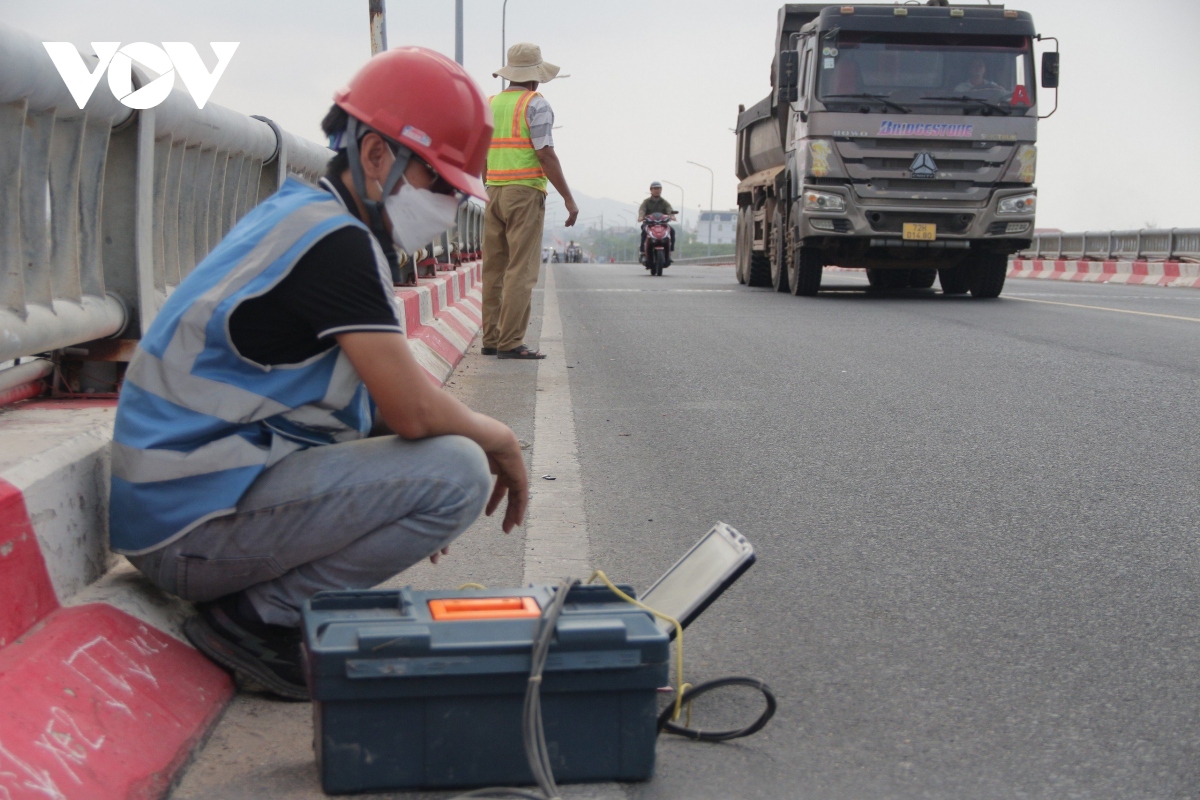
(654,204)
(519,163)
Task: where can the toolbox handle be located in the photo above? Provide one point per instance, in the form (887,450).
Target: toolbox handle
(594,630)
(373,638)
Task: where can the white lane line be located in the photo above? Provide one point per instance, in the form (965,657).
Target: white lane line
(1105,308)
(659,291)
(556,533)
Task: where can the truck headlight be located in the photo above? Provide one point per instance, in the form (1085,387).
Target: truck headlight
(823,201)
(1021,204)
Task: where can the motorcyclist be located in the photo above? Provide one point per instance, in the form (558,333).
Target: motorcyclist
(654,204)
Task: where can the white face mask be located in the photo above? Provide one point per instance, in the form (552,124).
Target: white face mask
(419,216)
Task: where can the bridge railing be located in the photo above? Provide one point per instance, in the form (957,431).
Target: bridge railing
(1150,244)
(104,211)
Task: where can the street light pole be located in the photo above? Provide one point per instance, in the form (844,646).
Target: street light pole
(458,31)
(503,37)
(378,16)
(711,178)
(682,205)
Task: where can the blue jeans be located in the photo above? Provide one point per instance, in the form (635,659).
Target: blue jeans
(343,516)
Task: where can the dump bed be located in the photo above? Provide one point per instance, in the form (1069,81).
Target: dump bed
(760,128)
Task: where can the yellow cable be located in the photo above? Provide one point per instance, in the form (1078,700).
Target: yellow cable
(471,586)
(682,687)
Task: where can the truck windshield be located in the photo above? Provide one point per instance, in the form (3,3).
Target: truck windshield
(926,71)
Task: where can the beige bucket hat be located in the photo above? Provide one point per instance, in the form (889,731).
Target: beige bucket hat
(525,64)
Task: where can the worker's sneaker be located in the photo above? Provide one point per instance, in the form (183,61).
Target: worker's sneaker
(257,653)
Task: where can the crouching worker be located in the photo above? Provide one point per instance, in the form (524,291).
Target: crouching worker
(242,475)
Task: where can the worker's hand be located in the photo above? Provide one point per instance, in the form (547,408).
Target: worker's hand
(572,213)
(512,481)
(436,557)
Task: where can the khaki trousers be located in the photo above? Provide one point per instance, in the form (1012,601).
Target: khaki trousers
(512,255)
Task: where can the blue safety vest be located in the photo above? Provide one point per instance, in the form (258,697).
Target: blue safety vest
(197,422)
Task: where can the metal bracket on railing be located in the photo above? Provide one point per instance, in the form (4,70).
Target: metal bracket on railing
(279,157)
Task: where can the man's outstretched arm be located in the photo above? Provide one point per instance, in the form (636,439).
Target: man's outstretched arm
(553,170)
(415,409)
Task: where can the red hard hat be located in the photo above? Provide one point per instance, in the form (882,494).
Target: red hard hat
(426,102)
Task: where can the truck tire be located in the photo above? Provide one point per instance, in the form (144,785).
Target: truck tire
(779,253)
(742,259)
(957,280)
(808,266)
(921,278)
(991,270)
(888,278)
(759,272)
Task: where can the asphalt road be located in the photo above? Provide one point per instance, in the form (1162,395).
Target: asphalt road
(976,524)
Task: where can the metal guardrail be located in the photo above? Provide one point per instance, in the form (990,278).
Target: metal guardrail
(1174,244)
(104,211)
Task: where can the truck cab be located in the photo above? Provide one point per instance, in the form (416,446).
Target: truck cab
(896,138)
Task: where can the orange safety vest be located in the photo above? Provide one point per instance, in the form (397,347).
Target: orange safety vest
(511,158)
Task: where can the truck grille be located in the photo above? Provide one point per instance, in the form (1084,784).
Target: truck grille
(893,222)
(967,170)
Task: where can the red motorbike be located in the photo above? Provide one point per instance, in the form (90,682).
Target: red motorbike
(656,243)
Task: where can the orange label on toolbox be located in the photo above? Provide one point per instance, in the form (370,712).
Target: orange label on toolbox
(468,608)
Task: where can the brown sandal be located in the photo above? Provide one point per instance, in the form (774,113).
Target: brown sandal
(521,352)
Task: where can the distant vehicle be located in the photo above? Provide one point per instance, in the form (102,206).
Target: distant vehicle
(546,251)
(574,253)
(656,248)
(898,138)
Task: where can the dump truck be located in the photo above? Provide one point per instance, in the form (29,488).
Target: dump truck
(896,138)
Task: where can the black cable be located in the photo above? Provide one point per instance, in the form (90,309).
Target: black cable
(666,724)
(532,733)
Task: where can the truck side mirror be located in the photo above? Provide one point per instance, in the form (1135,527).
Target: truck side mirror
(1050,70)
(788,79)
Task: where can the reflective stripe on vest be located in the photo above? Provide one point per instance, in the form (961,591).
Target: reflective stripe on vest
(197,423)
(511,157)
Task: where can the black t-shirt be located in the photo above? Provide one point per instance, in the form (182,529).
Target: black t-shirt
(335,287)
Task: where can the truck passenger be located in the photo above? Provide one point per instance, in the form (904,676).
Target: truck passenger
(242,476)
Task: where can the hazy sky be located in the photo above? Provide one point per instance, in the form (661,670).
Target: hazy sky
(655,85)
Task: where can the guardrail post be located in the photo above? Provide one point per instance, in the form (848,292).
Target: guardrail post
(147,301)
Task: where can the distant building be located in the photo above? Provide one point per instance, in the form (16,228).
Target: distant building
(724,226)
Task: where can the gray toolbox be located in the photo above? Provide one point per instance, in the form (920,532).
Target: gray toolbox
(419,689)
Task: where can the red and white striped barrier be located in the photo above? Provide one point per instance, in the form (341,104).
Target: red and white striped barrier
(100,695)
(441,317)
(1152,273)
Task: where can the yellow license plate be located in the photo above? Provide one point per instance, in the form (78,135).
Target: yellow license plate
(920,231)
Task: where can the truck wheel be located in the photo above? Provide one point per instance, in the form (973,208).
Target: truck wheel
(742,259)
(921,278)
(759,272)
(991,270)
(809,263)
(957,280)
(888,278)
(779,253)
